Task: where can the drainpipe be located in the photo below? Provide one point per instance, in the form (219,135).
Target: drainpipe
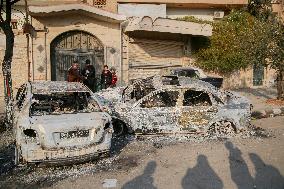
(28,42)
(45,51)
(33,66)
(122,26)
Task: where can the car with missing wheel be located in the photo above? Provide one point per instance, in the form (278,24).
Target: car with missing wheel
(59,123)
(170,105)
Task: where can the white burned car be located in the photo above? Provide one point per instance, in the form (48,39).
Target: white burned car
(180,105)
(59,122)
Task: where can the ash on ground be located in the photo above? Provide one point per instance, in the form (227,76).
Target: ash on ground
(125,154)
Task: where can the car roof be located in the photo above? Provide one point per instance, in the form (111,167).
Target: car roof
(47,87)
(193,84)
(184,68)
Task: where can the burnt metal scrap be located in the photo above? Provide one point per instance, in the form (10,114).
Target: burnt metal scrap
(59,122)
(180,105)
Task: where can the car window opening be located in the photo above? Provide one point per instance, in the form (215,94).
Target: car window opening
(196,98)
(170,80)
(62,103)
(187,73)
(141,88)
(162,99)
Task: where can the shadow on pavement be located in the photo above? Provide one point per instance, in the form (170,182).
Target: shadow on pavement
(145,180)
(6,159)
(239,169)
(266,176)
(201,176)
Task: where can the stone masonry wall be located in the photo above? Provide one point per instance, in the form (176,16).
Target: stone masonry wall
(19,64)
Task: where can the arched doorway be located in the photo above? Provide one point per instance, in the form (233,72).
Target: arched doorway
(74,45)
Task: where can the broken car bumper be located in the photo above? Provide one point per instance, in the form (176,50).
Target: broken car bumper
(68,155)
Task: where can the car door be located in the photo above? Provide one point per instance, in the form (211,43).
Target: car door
(156,112)
(197,109)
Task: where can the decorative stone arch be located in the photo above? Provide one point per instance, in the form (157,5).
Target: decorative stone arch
(75,45)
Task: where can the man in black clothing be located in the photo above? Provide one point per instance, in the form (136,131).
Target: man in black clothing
(90,74)
(106,77)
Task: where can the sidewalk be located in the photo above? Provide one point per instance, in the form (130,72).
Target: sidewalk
(258,97)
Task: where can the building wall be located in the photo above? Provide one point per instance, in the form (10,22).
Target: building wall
(225,2)
(244,79)
(19,62)
(204,14)
(107,33)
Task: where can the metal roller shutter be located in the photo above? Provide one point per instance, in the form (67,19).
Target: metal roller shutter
(147,57)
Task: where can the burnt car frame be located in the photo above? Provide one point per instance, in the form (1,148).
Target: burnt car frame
(164,105)
(59,123)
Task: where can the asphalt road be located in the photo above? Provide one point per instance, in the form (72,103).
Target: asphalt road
(161,162)
(235,163)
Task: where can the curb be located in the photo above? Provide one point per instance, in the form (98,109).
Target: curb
(258,114)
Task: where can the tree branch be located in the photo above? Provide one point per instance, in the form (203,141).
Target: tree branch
(1,6)
(8,11)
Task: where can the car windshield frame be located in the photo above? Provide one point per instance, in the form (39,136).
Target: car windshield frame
(58,103)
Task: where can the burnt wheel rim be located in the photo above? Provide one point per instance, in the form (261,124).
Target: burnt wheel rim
(118,128)
(222,129)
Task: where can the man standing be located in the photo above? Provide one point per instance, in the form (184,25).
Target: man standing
(74,73)
(89,73)
(106,77)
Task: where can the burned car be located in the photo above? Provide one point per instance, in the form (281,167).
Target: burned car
(59,122)
(194,73)
(164,105)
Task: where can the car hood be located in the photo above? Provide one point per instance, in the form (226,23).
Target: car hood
(65,122)
(234,100)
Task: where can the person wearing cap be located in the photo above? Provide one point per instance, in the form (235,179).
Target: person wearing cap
(89,73)
(74,73)
(106,78)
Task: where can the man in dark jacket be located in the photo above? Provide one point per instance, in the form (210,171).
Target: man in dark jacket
(74,73)
(106,77)
(89,73)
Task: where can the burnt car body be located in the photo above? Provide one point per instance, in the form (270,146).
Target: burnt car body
(194,73)
(59,123)
(180,105)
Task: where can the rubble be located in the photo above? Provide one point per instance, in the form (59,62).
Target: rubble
(109,183)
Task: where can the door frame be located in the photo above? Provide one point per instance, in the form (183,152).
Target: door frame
(92,45)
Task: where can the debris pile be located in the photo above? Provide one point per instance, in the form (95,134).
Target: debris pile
(275,102)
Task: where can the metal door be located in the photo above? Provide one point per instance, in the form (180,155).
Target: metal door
(258,75)
(71,46)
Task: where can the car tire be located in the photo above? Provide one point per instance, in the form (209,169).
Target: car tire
(119,128)
(222,129)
